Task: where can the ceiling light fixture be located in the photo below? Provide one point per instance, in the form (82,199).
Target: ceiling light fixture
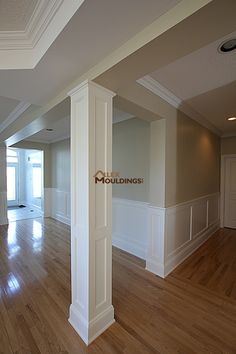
(227,46)
(231,118)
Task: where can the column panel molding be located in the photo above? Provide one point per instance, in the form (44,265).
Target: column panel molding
(91,311)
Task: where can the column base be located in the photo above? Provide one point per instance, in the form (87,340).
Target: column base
(90,331)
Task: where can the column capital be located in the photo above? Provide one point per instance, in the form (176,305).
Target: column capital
(89,84)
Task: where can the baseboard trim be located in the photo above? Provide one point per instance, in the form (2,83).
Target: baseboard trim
(190,248)
(155,267)
(90,331)
(62,219)
(123,242)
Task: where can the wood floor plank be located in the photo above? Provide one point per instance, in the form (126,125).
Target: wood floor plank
(192,311)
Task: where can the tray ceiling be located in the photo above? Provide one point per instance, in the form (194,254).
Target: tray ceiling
(15,15)
(29,27)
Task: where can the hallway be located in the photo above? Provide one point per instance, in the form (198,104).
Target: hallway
(192,311)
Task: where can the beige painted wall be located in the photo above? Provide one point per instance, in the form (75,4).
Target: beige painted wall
(228,146)
(60,156)
(177,157)
(192,160)
(46,148)
(157,163)
(131,157)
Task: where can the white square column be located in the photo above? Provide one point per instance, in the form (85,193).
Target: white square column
(3,186)
(91,311)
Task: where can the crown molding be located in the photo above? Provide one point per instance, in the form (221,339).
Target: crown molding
(42,141)
(155,87)
(18,110)
(47,21)
(229,135)
(40,19)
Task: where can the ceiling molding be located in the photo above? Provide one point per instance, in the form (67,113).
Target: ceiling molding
(42,16)
(18,110)
(229,135)
(42,141)
(47,21)
(155,87)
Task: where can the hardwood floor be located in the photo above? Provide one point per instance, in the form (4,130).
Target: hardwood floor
(192,311)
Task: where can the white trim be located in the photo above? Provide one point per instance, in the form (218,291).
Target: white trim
(61,218)
(128,246)
(130,202)
(18,110)
(191,201)
(47,21)
(43,14)
(174,233)
(91,211)
(129,227)
(155,87)
(91,83)
(189,248)
(224,157)
(89,332)
(58,207)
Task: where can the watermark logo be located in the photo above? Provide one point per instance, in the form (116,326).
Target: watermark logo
(114,178)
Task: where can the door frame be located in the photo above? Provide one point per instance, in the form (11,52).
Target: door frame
(222,186)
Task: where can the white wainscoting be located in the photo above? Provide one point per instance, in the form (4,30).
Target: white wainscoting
(60,205)
(156,240)
(129,226)
(176,232)
(164,237)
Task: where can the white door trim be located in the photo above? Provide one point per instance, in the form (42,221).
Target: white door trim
(222,186)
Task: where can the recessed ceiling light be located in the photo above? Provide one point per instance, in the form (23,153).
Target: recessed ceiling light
(231,118)
(228,46)
(49,129)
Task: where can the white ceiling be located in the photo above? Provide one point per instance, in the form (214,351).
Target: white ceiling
(200,71)
(205,81)
(95,30)
(29,27)
(61,128)
(15,15)
(7,105)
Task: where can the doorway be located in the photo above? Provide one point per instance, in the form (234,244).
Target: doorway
(24,183)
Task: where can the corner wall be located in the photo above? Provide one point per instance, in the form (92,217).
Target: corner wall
(192,160)
(190,212)
(130,145)
(60,191)
(228,146)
